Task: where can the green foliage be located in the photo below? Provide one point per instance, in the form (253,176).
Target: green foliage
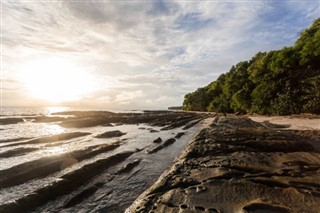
(285,81)
(197,101)
(311,97)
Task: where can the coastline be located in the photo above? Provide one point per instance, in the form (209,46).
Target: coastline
(239,165)
(100,161)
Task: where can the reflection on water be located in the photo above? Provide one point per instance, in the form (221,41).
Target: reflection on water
(55,150)
(52,129)
(30,129)
(79,153)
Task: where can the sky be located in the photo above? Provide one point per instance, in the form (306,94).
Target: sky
(135,54)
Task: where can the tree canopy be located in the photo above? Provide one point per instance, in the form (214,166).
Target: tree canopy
(280,82)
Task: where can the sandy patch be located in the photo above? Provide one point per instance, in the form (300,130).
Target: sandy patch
(295,123)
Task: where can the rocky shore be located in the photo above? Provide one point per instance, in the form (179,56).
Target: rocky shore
(103,160)
(239,165)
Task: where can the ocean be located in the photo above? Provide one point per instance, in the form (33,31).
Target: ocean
(32,129)
(110,191)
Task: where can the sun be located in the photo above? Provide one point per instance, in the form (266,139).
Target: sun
(56,80)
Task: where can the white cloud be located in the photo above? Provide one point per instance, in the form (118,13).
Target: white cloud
(148,49)
(128,97)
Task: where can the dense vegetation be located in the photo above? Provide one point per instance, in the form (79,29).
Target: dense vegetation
(285,81)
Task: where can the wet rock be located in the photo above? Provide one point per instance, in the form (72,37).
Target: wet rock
(179,122)
(52,139)
(6,121)
(240,163)
(191,124)
(169,142)
(86,122)
(158,140)
(157,118)
(64,185)
(47,165)
(46,119)
(14,139)
(161,146)
(16,152)
(179,135)
(110,134)
(82,195)
(128,167)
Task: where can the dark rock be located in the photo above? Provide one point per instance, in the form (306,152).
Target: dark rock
(6,121)
(111,134)
(239,163)
(82,195)
(169,142)
(63,186)
(179,135)
(191,124)
(46,119)
(47,165)
(52,139)
(241,113)
(86,122)
(16,152)
(128,167)
(158,140)
(179,122)
(13,139)
(161,146)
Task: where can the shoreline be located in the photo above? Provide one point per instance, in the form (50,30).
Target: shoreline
(102,161)
(239,165)
(121,149)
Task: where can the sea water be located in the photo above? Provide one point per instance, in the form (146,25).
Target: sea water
(113,196)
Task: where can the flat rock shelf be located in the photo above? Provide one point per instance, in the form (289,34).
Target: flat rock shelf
(238,165)
(89,161)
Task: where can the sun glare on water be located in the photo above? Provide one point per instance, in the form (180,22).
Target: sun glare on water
(55,150)
(57,81)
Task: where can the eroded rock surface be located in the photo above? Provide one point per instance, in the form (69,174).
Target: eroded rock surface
(239,165)
(79,170)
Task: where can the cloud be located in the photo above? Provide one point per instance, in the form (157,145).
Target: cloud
(148,50)
(126,97)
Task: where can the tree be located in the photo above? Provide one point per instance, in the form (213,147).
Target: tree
(285,81)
